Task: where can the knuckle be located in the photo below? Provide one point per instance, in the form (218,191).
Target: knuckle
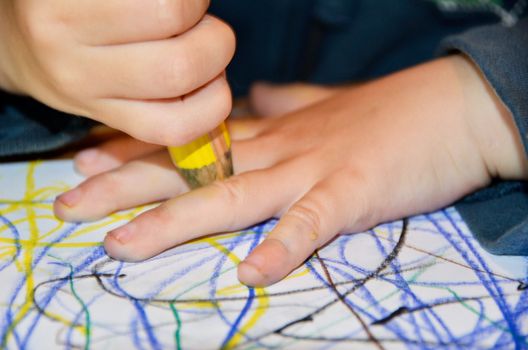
(189,69)
(110,183)
(224,102)
(31,21)
(232,191)
(180,15)
(308,214)
(172,17)
(363,216)
(224,34)
(105,187)
(66,82)
(180,75)
(44,28)
(159,217)
(363,213)
(194,9)
(218,104)
(230,40)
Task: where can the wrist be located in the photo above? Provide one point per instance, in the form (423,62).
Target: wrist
(491,124)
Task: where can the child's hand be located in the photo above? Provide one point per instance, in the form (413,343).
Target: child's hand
(406,144)
(152,68)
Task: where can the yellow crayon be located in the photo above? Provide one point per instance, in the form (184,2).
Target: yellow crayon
(206,159)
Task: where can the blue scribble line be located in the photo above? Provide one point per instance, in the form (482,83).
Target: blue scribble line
(16,235)
(407,313)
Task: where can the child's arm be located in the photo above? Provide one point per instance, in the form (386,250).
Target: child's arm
(153,69)
(412,142)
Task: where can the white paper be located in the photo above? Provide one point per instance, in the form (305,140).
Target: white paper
(58,289)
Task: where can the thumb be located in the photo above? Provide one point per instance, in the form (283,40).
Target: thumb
(275,100)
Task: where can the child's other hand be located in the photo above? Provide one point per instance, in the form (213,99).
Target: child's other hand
(151,68)
(406,144)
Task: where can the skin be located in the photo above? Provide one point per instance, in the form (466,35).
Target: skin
(326,161)
(151,68)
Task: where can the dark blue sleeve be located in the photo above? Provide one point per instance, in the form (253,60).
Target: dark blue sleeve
(498,215)
(29,127)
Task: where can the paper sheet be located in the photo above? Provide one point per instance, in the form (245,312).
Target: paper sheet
(418,283)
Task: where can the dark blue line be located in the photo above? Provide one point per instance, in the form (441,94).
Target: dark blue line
(146,325)
(245,309)
(16,235)
(233,327)
(401,283)
(163,284)
(135,334)
(96,253)
(9,312)
(154,343)
(393,327)
(476,269)
(498,295)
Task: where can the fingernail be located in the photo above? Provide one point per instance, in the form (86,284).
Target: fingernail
(122,234)
(87,156)
(70,198)
(250,275)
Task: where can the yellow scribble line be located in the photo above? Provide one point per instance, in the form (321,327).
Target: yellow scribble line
(31,204)
(262,299)
(38,244)
(29,248)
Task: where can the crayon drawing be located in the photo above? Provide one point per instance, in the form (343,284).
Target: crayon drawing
(412,284)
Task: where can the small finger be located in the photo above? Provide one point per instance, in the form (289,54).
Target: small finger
(225,206)
(307,225)
(276,100)
(169,122)
(111,154)
(164,68)
(144,181)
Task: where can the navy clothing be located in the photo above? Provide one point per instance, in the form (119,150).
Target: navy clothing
(336,41)
(27,126)
(333,41)
(498,215)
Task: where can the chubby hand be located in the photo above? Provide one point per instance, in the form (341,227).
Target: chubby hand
(151,68)
(343,161)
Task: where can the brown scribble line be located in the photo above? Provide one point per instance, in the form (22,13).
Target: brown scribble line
(406,245)
(357,284)
(342,298)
